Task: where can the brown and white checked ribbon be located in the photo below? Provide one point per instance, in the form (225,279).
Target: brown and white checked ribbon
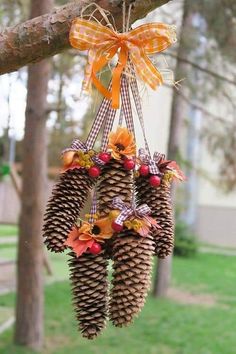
(93,209)
(151,162)
(98,122)
(138,105)
(129,210)
(80,145)
(126,111)
(126,104)
(108,127)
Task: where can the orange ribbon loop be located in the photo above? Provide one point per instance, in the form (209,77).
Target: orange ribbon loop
(104,43)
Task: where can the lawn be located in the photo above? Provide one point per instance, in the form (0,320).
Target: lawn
(163,327)
(8,230)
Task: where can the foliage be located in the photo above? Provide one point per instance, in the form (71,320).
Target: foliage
(185,241)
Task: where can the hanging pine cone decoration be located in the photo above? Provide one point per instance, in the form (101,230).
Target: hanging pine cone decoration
(117,176)
(88,275)
(132,263)
(68,195)
(63,208)
(155,190)
(116,179)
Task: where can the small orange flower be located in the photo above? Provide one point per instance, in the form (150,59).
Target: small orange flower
(102,229)
(80,243)
(121,143)
(81,239)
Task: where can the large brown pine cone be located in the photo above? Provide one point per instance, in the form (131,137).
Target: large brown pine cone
(114,182)
(132,256)
(159,200)
(88,275)
(63,208)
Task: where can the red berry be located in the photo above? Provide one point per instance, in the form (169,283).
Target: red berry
(94,171)
(104,156)
(95,248)
(155,181)
(144,170)
(116,227)
(129,164)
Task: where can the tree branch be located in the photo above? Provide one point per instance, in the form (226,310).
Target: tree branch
(47,35)
(201,68)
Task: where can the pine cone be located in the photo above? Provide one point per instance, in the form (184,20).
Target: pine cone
(132,256)
(159,200)
(115,181)
(88,275)
(63,208)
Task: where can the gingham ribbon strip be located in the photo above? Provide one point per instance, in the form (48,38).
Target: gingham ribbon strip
(127,210)
(77,145)
(98,121)
(138,105)
(151,162)
(93,209)
(108,127)
(126,104)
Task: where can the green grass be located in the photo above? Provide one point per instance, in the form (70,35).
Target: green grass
(163,327)
(207,273)
(8,230)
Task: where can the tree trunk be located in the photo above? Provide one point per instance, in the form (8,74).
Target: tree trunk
(29,305)
(162,275)
(47,35)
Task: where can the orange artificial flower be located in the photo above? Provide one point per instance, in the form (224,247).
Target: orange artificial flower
(121,143)
(81,239)
(102,229)
(79,245)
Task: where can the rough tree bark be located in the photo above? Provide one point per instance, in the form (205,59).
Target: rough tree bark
(46,35)
(29,306)
(162,275)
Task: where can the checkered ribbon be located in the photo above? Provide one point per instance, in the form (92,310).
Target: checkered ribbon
(100,118)
(151,162)
(126,104)
(126,111)
(77,145)
(127,210)
(103,43)
(93,209)
(138,105)
(108,127)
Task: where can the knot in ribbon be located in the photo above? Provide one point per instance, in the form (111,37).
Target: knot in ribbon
(127,210)
(151,162)
(104,43)
(80,145)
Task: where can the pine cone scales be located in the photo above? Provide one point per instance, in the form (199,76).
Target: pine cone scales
(63,208)
(88,275)
(159,200)
(132,256)
(115,181)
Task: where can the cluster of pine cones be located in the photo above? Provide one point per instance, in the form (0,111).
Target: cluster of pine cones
(131,254)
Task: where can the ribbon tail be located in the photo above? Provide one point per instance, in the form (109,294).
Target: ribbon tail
(116,77)
(97,66)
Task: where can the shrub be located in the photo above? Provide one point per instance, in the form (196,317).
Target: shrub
(185,241)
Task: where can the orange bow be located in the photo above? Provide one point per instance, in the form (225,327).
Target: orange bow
(103,43)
